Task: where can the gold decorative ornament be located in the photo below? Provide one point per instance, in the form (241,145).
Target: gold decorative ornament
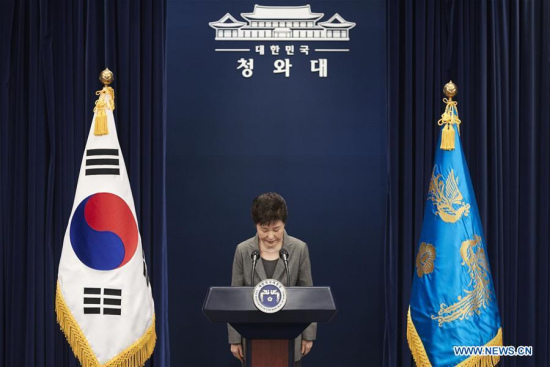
(425,259)
(106,77)
(133,356)
(421,357)
(447,197)
(450,89)
(105,101)
(415,344)
(479,294)
(449,117)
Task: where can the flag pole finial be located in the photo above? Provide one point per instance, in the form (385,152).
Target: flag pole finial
(106,77)
(450,89)
(105,101)
(449,117)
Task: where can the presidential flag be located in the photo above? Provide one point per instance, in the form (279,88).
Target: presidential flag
(453,301)
(104,302)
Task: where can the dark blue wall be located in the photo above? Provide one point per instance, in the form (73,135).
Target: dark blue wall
(321,143)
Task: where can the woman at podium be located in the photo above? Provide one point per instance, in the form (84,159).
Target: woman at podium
(269,213)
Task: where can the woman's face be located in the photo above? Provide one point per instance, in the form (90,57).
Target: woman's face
(271,235)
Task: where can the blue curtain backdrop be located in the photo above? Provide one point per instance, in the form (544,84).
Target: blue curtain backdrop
(497,52)
(51,56)
(319,142)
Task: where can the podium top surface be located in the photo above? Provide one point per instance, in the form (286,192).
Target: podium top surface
(236,305)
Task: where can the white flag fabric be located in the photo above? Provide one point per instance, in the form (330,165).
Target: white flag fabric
(104,302)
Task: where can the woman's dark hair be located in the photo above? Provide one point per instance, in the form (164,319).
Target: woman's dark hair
(269,207)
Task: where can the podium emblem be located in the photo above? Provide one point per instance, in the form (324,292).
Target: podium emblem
(269,296)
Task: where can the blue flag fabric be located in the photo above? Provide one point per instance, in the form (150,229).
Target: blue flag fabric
(453,302)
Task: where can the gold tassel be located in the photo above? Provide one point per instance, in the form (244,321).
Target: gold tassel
(421,358)
(105,101)
(448,137)
(101,123)
(133,356)
(111,92)
(449,118)
(101,127)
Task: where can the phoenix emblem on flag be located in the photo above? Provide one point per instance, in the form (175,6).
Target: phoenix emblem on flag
(453,300)
(479,295)
(425,259)
(447,197)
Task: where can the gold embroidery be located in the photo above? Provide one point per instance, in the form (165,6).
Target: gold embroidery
(425,259)
(133,356)
(479,295)
(446,197)
(421,357)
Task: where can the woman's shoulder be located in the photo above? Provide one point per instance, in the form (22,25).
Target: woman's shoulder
(298,243)
(246,244)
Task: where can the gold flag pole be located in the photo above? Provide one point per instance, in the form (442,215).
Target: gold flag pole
(106,100)
(449,117)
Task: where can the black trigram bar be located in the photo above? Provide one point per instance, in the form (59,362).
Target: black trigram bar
(92,301)
(111,311)
(102,162)
(102,171)
(92,290)
(113,162)
(112,292)
(91,152)
(111,298)
(112,301)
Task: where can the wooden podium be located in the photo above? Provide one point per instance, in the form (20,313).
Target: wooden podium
(269,337)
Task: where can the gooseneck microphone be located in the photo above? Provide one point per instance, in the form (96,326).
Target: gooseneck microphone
(255,255)
(284,256)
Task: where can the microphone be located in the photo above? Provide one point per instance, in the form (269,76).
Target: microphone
(255,255)
(284,256)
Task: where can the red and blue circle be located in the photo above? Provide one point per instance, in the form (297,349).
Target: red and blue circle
(104,232)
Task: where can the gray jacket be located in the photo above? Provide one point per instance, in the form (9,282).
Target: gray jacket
(300,276)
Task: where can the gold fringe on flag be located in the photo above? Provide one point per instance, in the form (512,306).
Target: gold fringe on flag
(421,358)
(139,352)
(485,361)
(133,356)
(415,344)
(73,333)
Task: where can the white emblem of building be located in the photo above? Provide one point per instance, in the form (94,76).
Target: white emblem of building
(268,23)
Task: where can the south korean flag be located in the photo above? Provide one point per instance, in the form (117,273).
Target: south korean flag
(104,302)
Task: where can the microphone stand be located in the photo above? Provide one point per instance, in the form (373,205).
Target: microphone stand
(287,274)
(255,254)
(284,256)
